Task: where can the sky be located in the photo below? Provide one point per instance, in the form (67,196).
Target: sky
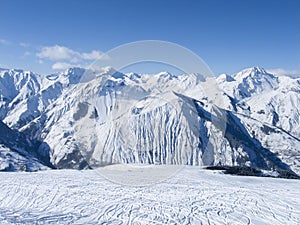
(229,35)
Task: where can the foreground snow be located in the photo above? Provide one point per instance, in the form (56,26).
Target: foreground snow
(191,196)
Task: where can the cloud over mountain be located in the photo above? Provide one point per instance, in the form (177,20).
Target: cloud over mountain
(65,57)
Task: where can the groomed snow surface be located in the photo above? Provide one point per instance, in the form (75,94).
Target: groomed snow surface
(190,196)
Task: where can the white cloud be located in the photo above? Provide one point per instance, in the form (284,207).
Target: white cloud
(283,72)
(75,60)
(91,56)
(27,53)
(62,66)
(4,42)
(24,45)
(64,57)
(94,55)
(57,52)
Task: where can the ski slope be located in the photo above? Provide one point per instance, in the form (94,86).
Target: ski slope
(191,196)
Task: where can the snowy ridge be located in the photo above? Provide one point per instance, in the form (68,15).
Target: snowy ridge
(155,119)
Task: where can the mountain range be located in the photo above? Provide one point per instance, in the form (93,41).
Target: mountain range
(83,118)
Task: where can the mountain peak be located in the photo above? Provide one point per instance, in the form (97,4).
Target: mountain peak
(74,74)
(253,73)
(144,116)
(164,73)
(258,70)
(73,71)
(225,78)
(133,76)
(254,69)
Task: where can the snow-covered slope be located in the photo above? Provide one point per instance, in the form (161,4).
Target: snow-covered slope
(192,196)
(265,97)
(88,118)
(17,153)
(248,82)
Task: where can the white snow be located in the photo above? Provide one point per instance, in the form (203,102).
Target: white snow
(141,119)
(191,196)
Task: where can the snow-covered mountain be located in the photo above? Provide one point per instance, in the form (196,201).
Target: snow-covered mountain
(81,118)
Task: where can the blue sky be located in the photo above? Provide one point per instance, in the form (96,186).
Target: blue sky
(228,35)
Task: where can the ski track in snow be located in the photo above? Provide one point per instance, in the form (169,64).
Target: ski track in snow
(192,196)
